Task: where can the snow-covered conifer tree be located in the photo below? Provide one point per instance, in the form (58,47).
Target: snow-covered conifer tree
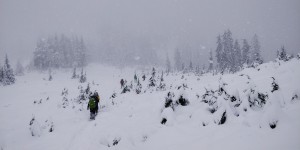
(19,69)
(74,75)
(211,62)
(282,54)
(82,78)
(1,74)
(219,53)
(138,88)
(245,52)
(255,54)
(168,64)
(162,85)
(228,55)
(50,75)
(191,68)
(152,79)
(238,56)
(178,61)
(8,76)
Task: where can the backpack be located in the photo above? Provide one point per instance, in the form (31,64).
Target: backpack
(92,103)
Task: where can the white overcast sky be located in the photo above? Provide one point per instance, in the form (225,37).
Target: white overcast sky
(192,22)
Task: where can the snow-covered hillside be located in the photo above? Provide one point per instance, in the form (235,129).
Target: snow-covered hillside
(257,108)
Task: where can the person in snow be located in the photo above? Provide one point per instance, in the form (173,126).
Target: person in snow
(122,83)
(93,105)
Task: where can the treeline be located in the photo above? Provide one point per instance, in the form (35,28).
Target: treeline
(60,52)
(232,56)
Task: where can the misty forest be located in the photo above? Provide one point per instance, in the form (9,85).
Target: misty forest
(138,74)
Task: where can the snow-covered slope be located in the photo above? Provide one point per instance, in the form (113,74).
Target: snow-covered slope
(40,114)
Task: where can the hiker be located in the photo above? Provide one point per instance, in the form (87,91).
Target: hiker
(122,83)
(93,105)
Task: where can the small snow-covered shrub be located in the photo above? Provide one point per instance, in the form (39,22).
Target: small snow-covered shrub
(125,89)
(167,116)
(37,129)
(257,100)
(138,87)
(295,96)
(169,100)
(275,85)
(182,101)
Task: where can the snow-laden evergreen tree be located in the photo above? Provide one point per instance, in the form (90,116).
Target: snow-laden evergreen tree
(135,78)
(178,61)
(228,55)
(183,68)
(282,55)
(197,70)
(19,69)
(138,88)
(152,79)
(80,52)
(245,53)
(237,56)
(82,78)
(162,85)
(211,62)
(220,53)
(1,74)
(191,68)
(74,75)
(8,76)
(168,65)
(50,75)
(39,55)
(255,53)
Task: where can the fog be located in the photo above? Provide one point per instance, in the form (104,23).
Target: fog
(164,24)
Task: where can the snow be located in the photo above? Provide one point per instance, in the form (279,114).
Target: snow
(134,120)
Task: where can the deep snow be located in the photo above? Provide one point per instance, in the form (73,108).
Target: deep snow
(134,121)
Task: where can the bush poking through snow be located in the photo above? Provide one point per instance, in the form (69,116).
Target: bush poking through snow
(183,86)
(274,85)
(35,128)
(112,97)
(125,89)
(163,121)
(223,118)
(182,101)
(295,97)
(114,142)
(169,100)
(257,99)
(273,124)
